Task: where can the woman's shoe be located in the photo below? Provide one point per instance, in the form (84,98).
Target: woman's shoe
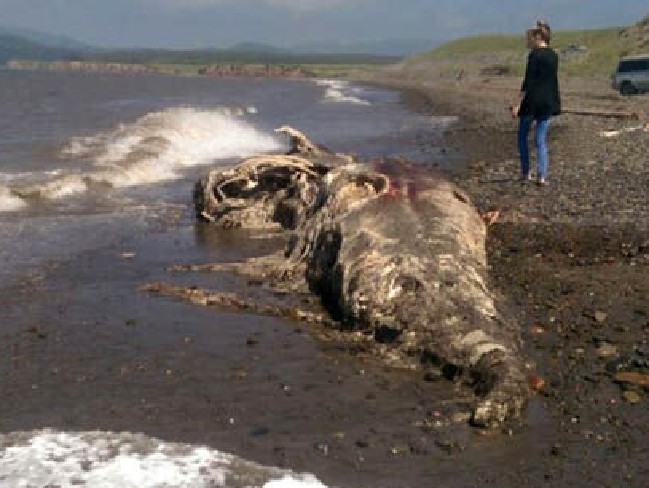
(541,182)
(527,177)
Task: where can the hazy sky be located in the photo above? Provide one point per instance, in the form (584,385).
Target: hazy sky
(210,23)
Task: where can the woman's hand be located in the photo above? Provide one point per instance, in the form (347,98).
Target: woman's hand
(514,109)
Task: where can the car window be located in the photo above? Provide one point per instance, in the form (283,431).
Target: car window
(633,65)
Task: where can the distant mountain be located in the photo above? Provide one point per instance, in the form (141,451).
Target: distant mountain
(16,47)
(257,47)
(49,40)
(37,46)
(232,55)
(386,47)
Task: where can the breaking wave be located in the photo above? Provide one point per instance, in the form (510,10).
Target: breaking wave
(155,148)
(105,460)
(9,202)
(341,91)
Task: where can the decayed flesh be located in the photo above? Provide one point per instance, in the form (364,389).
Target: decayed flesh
(392,250)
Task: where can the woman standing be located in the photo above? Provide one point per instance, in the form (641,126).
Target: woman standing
(539,99)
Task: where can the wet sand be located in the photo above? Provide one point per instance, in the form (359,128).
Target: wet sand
(83,350)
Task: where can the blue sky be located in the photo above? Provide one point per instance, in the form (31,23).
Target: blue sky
(219,23)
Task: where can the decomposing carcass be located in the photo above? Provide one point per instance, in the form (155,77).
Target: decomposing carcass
(392,249)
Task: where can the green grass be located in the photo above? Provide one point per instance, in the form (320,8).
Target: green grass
(483,45)
(604,47)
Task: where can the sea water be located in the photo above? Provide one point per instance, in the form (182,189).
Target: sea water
(86,157)
(87,160)
(49,458)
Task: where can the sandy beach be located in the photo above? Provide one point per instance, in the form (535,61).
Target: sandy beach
(84,350)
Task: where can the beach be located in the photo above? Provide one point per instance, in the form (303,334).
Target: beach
(84,350)
(572,256)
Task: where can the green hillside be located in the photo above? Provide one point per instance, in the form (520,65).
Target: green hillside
(18,47)
(583,52)
(201,57)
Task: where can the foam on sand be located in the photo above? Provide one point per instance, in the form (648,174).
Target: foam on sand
(125,460)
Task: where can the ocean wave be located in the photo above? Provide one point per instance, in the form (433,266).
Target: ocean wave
(155,147)
(9,201)
(7,178)
(125,460)
(62,187)
(340,91)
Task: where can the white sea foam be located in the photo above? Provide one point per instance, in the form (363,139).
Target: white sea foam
(105,460)
(158,145)
(27,175)
(9,202)
(341,91)
(154,148)
(62,187)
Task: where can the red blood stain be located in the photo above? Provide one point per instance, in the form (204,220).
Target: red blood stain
(406,179)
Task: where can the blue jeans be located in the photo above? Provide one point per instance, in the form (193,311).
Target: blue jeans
(541,141)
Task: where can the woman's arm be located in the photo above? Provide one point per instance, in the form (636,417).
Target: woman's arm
(528,72)
(516,106)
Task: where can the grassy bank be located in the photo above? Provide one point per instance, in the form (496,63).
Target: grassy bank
(583,53)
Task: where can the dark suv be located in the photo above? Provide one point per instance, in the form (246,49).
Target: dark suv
(632,75)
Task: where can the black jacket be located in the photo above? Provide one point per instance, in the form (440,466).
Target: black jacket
(541,84)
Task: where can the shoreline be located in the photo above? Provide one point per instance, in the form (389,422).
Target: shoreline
(572,259)
(219,70)
(287,69)
(485,135)
(103,361)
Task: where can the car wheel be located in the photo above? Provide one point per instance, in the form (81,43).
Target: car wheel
(627,88)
